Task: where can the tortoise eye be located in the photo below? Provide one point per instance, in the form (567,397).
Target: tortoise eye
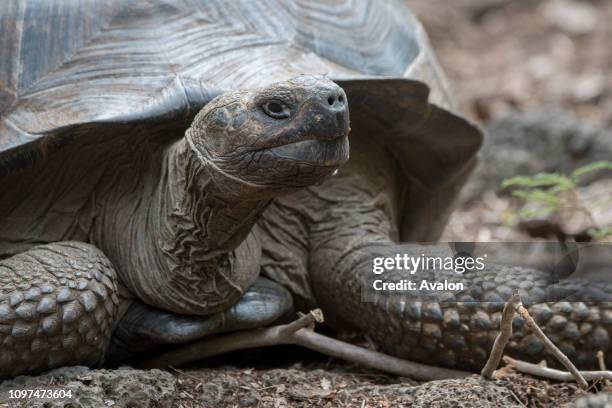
(276,109)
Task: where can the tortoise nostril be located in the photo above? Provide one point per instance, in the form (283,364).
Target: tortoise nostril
(336,100)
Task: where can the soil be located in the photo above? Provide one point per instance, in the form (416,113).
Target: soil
(333,384)
(527,55)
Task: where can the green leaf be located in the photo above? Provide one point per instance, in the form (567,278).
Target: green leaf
(544,194)
(538,196)
(589,168)
(539,180)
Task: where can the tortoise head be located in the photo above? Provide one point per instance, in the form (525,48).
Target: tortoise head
(287,135)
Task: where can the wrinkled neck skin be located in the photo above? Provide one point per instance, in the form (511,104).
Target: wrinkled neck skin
(198,254)
(206,210)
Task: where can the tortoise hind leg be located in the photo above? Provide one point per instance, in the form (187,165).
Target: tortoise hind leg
(144,327)
(58,304)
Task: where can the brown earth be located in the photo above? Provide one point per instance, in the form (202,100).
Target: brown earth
(524,54)
(320,385)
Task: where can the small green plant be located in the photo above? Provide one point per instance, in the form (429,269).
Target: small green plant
(547,194)
(599,234)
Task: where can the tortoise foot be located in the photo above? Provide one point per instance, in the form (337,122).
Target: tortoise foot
(143,327)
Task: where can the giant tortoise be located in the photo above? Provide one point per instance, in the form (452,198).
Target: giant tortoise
(167,173)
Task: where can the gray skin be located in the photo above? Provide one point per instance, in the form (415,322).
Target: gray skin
(160,228)
(163,243)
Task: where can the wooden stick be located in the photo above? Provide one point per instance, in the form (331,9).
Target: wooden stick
(552,374)
(515,304)
(300,333)
(601,361)
(304,321)
(502,338)
(522,311)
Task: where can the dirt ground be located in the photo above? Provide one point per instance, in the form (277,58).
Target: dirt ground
(302,384)
(524,54)
(341,385)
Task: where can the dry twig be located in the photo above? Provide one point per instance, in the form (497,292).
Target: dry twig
(515,304)
(522,311)
(300,332)
(601,361)
(502,338)
(553,374)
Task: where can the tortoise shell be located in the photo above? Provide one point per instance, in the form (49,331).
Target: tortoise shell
(83,68)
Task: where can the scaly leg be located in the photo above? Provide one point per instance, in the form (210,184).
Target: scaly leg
(58,304)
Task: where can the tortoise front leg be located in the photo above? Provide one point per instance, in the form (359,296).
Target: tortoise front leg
(58,304)
(449,328)
(144,327)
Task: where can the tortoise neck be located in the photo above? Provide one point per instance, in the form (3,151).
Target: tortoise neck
(205,206)
(202,254)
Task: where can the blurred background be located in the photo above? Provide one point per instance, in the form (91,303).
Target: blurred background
(537,76)
(524,54)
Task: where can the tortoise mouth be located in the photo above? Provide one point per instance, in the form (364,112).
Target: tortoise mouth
(331,152)
(296,164)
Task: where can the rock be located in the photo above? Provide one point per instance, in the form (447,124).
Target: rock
(470,392)
(571,16)
(589,88)
(603,400)
(121,387)
(467,392)
(595,198)
(529,143)
(212,394)
(251,400)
